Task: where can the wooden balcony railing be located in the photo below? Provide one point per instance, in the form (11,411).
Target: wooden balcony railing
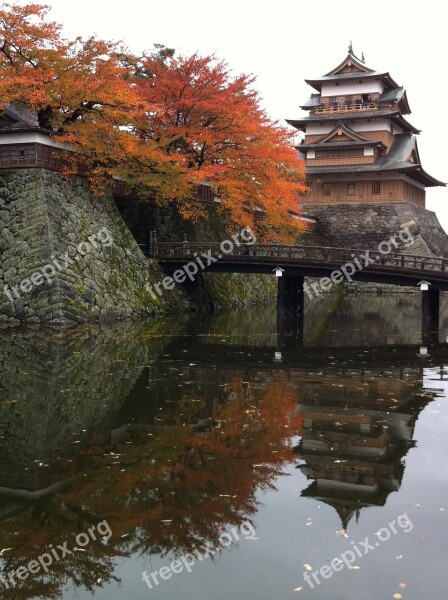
(347,107)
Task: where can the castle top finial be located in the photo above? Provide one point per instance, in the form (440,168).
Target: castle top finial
(350,47)
(363,59)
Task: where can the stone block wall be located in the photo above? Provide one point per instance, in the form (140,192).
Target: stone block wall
(47,222)
(364,226)
(211,290)
(43,220)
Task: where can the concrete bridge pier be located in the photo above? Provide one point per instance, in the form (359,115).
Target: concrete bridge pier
(430,316)
(290,296)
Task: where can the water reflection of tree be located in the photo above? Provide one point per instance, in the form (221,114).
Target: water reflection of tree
(169,487)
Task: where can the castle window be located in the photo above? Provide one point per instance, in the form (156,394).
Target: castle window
(356,152)
(376,187)
(326,189)
(205,192)
(351,189)
(339,153)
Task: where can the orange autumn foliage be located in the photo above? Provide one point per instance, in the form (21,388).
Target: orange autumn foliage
(161,124)
(65,82)
(211,124)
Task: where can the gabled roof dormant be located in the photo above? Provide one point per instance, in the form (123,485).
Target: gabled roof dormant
(350,61)
(341,136)
(396,95)
(342,129)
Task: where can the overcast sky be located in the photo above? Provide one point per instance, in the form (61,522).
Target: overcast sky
(284,41)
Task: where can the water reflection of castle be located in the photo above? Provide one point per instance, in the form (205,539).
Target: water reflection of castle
(357,429)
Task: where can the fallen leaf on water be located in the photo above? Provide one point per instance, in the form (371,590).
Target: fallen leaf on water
(341,533)
(297,589)
(403,585)
(308,567)
(397,595)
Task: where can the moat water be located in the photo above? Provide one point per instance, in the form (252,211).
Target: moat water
(228,456)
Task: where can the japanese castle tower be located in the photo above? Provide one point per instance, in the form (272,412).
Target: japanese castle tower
(359,147)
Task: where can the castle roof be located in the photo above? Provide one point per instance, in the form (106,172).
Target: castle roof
(352,76)
(394,115)
(333,140)
(17,118)
(352,69)
(403,149)
(312,102)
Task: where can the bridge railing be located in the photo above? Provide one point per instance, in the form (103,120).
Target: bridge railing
(329,255)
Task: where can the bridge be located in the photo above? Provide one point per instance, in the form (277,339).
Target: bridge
(298,262)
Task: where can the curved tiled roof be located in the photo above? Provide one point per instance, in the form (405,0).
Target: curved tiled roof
(395,160)
(352,76)
(15,117)
(359,116)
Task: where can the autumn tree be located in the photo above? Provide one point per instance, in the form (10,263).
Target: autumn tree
(162,124)
(211,123)
(81,91)
(63,81)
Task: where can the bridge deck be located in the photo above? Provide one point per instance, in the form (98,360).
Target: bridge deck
(370,265)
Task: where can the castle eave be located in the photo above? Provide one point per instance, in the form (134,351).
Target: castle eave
(414,171)
(427,179)
(312,102)
(330,145)
(336,118)
(352,76)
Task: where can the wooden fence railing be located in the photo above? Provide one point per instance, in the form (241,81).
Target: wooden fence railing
(306,255)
